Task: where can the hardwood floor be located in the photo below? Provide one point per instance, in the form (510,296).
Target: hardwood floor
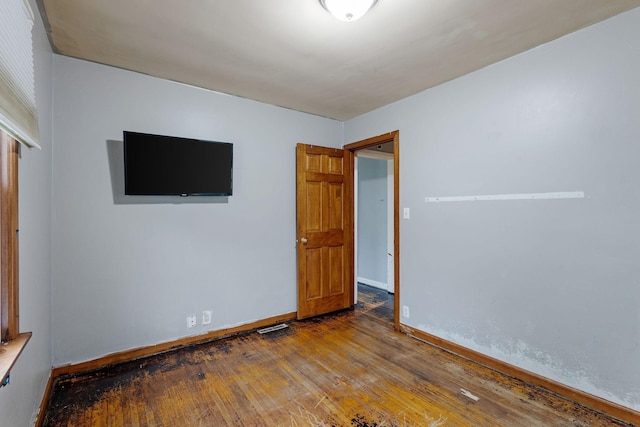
(345,369)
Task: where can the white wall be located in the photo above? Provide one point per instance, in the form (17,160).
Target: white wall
(20,400)
(127,275)
(372,221)
(551,286)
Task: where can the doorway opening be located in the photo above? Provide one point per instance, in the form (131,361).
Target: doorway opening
(383,151)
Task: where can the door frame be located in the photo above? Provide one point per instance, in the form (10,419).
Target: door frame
(393,137)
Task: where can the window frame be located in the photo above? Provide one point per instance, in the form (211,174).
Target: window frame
(9,148)
(12,341)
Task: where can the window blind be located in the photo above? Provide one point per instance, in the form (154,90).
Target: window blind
(18,111)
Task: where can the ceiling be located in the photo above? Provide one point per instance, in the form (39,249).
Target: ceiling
(294,54)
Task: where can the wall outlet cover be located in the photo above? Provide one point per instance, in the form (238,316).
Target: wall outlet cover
(206,317)
(191,321)
(405,311)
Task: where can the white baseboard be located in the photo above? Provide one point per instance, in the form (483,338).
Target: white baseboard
(373,283)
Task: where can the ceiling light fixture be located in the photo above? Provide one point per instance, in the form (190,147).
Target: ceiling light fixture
(348,10)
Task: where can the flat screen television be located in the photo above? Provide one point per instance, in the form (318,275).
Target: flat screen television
(165,165)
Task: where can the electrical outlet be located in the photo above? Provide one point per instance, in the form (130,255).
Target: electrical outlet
(405,311)
(191,321)
(206,317)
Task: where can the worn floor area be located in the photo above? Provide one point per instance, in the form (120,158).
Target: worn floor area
(346,369)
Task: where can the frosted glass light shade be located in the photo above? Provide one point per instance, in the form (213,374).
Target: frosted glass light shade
(348,10)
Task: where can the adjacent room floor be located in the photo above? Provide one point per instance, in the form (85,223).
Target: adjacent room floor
(345,369)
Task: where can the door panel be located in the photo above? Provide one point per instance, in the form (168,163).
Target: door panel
(324,230)
(314,206)
(336,264)
(336,215)
(314,265)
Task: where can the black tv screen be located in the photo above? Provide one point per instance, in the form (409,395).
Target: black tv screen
(167,165)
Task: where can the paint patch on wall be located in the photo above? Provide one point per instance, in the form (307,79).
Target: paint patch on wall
(519,353)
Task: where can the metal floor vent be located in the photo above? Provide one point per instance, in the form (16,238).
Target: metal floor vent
(273,328)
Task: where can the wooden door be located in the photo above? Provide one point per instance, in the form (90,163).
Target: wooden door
(324,230)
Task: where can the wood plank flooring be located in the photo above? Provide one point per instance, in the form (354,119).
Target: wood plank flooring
(346,369)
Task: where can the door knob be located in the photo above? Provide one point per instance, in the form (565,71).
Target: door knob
(304,240)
